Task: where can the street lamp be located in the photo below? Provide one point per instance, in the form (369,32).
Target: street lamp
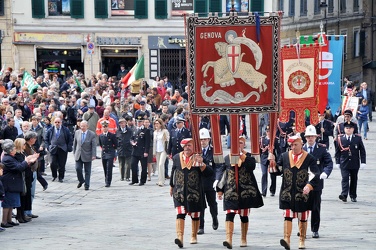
(324,5)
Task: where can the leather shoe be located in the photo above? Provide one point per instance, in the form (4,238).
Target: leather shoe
(132,183)
(45,187)
(315,235)
(200,231)
(127,179)
(272,194)
(107,185)
(263,195)
(53,179)
(61,180)
(13,223)
(80,184)
(353,200)
(215,223)
(342,198)
(86,188)
(34,216)
(141,184)
(5,225)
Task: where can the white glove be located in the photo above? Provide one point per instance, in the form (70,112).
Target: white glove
(337,166)
(215,184)
(362,166)
(323,175)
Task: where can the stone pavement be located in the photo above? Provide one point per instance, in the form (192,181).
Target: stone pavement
(143,217)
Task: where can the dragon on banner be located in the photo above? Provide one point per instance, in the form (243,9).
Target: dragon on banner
(233,68)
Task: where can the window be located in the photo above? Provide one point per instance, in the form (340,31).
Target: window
(160,9)
(216,5)
(1,7)
(101,8)
(331,6)
(240,6)
(59,8)
(356,6)
(37,9)
(201,7)
(303,7)
(123,7)
(316,7)
(141,9)
(292,8)
(359,42)
(280,5)
(257,6)
(342,6)
(344,33)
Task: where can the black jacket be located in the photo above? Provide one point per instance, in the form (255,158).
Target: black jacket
(12,174)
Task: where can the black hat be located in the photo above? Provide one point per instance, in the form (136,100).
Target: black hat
(349,124)
(105,123)
(140,116)
(348,112)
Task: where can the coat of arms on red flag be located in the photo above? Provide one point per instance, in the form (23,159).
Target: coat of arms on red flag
(233,67)
(300,81)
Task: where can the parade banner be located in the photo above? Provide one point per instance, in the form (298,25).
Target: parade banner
(233,67)
(331,53)
(350,102)
(233,64)
(300,81)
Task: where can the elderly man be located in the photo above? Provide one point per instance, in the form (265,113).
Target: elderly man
(325,165)
(188,196)
(296,166)
(91,117)
(111,123)
(85,151)
(59,142)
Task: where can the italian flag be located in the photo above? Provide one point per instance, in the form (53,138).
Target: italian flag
(137,72)
(29,82)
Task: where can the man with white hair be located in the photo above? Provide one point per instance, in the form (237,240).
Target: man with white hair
(18,120)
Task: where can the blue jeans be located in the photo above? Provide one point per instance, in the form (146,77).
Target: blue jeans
(363,123)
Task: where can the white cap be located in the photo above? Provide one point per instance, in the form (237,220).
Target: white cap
(204,133)
(310,131)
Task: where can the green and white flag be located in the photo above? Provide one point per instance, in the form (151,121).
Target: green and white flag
(29,82)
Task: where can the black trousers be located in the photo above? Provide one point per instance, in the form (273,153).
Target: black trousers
(316,208)
(213,206)
(58,162)
(108,165)
(352,175)
(264,181)
(134,166)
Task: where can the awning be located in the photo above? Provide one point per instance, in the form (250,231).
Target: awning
(60,47)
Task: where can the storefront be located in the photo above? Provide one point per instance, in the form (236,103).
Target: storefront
(167,58)
(115,51)
(59,53)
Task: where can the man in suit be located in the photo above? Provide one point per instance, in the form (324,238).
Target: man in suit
(85,151)
(124,134)
(177,135)
(324,129)
(59,142)
(140,142)
(108,143)
(325,165)
(350,157)
(208,181)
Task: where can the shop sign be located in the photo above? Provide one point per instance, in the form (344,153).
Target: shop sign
(102,40)
(166,42)
(28,37)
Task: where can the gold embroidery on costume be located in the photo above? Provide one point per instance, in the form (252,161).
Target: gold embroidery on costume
(230,193)
(179,186)
(301,180)
(193,186)
(245,182)
(285,194)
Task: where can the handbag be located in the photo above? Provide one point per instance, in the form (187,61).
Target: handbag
(165,142)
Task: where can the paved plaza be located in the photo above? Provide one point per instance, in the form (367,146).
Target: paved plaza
(143,217)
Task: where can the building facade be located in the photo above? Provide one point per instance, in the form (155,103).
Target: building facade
(99,35)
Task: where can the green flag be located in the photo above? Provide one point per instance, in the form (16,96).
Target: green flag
(78,83)
(29,82)
(139,71)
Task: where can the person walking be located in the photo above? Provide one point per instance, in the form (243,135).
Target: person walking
(124,150)
(325,165)
(239,191)
(350,156)
(264,146)
(187,190)
(161,138)
(108,143)
(295,166)
(59,142)
(362,116)
(85,152)
(208,181)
